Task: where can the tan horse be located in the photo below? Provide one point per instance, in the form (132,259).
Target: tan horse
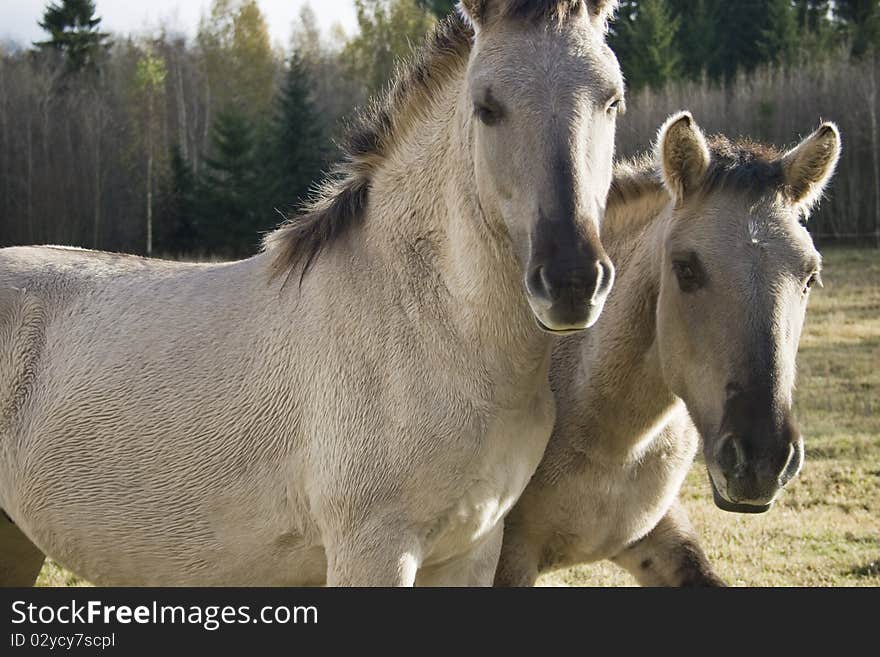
(370,422)
(714,274)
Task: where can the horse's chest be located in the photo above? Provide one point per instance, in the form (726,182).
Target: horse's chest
(619,505)
(632,502)
(511,451)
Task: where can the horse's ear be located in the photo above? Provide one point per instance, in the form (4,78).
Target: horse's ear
(809,166)
(683,154)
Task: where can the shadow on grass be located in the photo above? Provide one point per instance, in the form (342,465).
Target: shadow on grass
(871,570)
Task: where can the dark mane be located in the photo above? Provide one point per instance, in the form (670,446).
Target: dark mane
(340,201)
(738,166)
(743,165)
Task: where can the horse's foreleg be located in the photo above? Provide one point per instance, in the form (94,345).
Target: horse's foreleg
(379,556)
(670,555)
(518,564)
(475,569)
(20,560)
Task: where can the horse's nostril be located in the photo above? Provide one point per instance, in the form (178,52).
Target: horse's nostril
(605,277)
(538,285)
(731,457)
(547,286)
(733,389)
(794,464)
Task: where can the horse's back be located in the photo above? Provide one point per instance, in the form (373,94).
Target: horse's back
(35,263)
(55,274)
(46,291)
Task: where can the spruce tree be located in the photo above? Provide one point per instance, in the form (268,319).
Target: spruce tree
(814,26)
(176,227)
(779,36)
(73,29)
(861,21)
(752,32)
(621,29)
(299,142)
(697,34)
(645,42)
(233,207)
(812,15)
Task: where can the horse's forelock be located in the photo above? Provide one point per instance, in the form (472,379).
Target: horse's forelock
(743,165)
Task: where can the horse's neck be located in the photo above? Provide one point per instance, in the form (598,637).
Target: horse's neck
(619,388)
(435,240)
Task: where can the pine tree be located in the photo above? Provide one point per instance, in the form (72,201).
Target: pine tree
(697,34)
(233,192)
(812,15)
(299,142)
(176,229)
(861,20)
(752,32)
(73,28)
(814,27)
(645,42)
(779,36)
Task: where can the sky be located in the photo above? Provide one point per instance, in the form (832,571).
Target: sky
(18,18)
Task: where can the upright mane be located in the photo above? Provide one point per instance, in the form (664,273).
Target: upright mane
(638,194)
(743,165)
(341,198)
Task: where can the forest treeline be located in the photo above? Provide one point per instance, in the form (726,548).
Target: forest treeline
(182,145)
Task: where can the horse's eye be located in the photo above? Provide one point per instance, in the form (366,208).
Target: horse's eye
(486,114)
(689,275)
(684,271)
(814,279)
(615,105)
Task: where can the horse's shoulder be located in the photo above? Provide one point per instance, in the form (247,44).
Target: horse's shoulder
(16,278)
(22,336)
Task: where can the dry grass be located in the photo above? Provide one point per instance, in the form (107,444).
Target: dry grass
(825,531)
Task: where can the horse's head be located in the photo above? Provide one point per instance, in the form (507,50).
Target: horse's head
(737,266)
(545,91)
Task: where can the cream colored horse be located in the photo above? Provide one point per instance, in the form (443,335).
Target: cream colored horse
(715,270)
(370,422)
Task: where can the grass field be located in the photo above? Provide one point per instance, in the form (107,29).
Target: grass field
(825,531)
